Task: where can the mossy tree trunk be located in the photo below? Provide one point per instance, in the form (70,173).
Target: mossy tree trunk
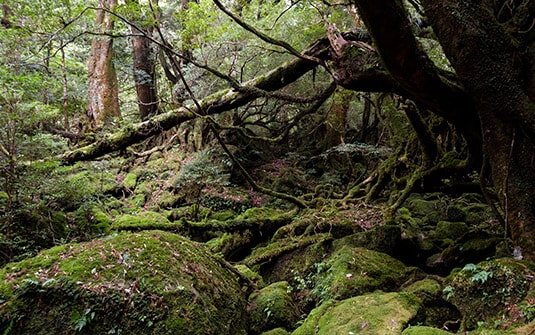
(488,101)
(489,57)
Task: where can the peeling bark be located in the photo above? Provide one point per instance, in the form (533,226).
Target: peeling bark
(103,86)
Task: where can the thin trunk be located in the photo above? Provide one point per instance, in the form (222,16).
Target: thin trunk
(65,91)
(144,61)
(103,86)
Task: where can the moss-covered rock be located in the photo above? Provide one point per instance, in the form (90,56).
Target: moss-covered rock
(354,271)
(131,283)
(272,307)
(375,314)
(423,330)
(438,312)
(144,221)
(450,230)
(130,181)
(276,331)
(384,238)
(483,292)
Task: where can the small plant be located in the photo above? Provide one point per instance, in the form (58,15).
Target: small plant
(479,275)
(449,292)
(80,321)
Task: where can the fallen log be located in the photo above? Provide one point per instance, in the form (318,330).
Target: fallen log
(216,103)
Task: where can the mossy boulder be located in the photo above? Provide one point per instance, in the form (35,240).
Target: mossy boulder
(450,230)
(144,221)
(131,283)
(354,271)
(438,312)
(424,330)
(377,313)
(484,292)
(272,307)
(276,331)
(130,181)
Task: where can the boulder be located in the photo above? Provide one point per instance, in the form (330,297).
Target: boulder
(151,282)
(376,313)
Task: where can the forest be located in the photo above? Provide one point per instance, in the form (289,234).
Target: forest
(267,167)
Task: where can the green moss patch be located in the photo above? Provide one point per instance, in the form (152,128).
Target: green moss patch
(272,307)
(144,221)
(354,271)
(132,283)
(375,314)
(423,330)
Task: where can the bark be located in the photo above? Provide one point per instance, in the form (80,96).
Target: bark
(103,87)
(144,64)
(216,103)
(486,59)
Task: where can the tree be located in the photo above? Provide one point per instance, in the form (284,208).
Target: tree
(490,99)
(103,87)
(144,60)
(487,95)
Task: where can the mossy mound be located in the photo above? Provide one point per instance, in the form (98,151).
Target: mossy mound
(353,271)
(144,221)
(375,314)
(423,330)
(272,307)
(489,291)
(131,283)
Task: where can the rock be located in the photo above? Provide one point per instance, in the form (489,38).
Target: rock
(276,331)
(375,314)
(438,312)
(144,221)
(423,330)
(354,271)
(272,307)
(486,292)
(131,283)
(450,230)
(384,238)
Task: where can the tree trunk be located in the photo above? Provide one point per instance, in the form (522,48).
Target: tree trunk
(103,87)
(144,63)
(488,60)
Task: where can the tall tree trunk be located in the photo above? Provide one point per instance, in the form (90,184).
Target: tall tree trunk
(103,86)
(144,59)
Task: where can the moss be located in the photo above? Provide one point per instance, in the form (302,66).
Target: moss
(425,208)
(425,287)
(354,271)
(130,181)
(101,221)
(484,291)
(250,274)
(273,250)
(143,283)
(376,313)
(272,307)
(450,230)
(276,331)
(384,238)
(144,221)
(423,330)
